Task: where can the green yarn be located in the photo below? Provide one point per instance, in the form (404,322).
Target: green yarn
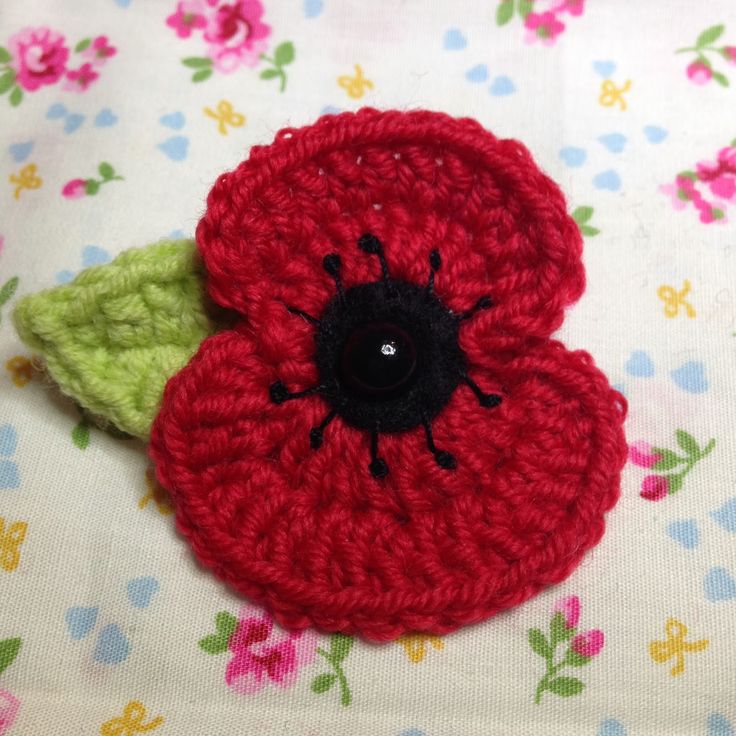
(113,337)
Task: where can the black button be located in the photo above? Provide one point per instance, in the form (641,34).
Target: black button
(378,361)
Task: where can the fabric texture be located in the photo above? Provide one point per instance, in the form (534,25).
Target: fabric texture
(118,117)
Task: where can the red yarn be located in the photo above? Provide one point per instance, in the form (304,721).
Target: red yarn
(310,533)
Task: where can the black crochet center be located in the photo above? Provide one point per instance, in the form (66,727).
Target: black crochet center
(388,356)
(397,324)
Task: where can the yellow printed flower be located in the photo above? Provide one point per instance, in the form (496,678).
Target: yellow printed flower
(415,645)
(131,722)
(675,646)
(355,86)
(157,494)
(10,541)
(21,370)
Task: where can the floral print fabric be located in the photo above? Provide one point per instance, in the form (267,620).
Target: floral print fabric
(117,117)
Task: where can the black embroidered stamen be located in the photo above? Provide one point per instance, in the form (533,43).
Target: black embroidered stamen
(486,400)
(484,302)
(377,466)
(434,265)
(316,433)
(279,393)
(308,317)
(444,459)
(388,356)
(332,264)
(371,244)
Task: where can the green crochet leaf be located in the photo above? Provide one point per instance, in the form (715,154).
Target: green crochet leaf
(113,337)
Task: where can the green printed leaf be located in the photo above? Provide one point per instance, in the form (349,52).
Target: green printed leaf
(113,337)
(106,170)
(581,215)
(270,73)
(722,79)
(322,683)
(214,644)
(538,642)
(80,435)
(284,53)
(573,659)
(674,483)
(16,96)
(709,35)
(525,7)
(91,186)
(201,75)
(4,55)
(558,629)
(226,623)
(504,12)
(9,649)
(688,443)
(7,80)
(708,448)
(83,44)
(8,289)
(668,459)
(687,174)
(717,213)
(566,686)
(340,646)
(197,62)
(589,231)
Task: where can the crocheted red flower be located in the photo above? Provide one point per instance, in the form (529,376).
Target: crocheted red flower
(389,441)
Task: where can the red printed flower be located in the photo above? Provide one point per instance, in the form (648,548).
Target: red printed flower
(699,72)
(589,643)
(654,487)
(78,80)
(39,57)
(389,441)
(74,189)
(99,50)
(189,16)
(569,607)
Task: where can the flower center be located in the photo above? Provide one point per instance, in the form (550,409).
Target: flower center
(388,355)
(378,361)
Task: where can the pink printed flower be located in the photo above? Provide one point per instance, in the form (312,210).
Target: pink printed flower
(99,51)
(699,72)
(727,157)
(588,644)
(569,607)
(673,191)
(9,706)
(39,57)
(74,189)
(729,54)
(574,7)
(78,80)
(654,487)
(545,26)
(261,655)
(640,453)
(237,35)
(189,16)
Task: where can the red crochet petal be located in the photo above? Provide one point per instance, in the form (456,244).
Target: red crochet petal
(312,535)
(418,180)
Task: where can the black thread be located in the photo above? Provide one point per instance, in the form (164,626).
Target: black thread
(489,401)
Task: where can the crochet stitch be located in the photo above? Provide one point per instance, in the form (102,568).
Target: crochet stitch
(113,336)
(284,507)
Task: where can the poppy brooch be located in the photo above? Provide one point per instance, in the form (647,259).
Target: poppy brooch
(348,382)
